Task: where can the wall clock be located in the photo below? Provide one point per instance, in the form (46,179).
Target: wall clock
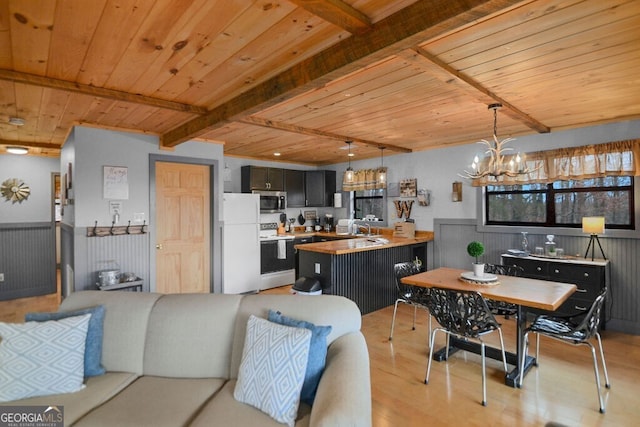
(15,190)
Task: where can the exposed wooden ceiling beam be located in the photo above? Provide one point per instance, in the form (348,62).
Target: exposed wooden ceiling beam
(450,75)
(83,89)
(258,121)
(338,13)
(29,144)
(404,29)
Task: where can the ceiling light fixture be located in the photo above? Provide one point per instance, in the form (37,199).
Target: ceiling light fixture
(382,173)
(495,165)
(16,121)
(349,175)
(17,150)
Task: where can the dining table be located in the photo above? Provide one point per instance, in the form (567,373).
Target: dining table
(525,293)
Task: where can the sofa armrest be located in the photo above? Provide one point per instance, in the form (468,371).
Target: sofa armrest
(344,392)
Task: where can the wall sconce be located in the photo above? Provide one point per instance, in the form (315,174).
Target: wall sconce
(456,192)
(593,225)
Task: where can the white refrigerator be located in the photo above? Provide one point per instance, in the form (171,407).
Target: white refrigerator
(240,243)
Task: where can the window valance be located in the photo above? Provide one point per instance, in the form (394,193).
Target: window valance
(364,179)
(619,158)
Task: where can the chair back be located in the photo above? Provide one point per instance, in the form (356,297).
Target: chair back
(464,313)
(404,269)
(589,324)
(504,270)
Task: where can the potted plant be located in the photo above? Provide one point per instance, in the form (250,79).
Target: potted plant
(476,249)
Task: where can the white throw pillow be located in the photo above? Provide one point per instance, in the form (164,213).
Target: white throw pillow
(274,362)
(42,358)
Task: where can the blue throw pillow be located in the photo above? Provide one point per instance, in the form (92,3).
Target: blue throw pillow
(317,352)
(93,345)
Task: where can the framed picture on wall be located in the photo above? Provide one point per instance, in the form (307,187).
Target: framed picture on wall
(409,187)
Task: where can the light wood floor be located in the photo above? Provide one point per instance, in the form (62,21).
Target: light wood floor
(560,392)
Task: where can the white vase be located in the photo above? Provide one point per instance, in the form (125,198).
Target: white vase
(478,269)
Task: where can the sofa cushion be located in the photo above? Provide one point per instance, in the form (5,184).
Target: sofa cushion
(154,401)
(93,344)
(98,390)
(224,411)
(42,358)
(126,320)
(180,323)
(317,352)
(272,370)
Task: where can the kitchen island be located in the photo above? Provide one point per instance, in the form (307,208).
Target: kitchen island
(360,268)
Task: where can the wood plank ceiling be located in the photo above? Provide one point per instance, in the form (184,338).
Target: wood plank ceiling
(300,77)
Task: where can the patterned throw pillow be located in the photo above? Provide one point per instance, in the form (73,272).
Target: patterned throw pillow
(274,361)
(317,352)
(93,347)
(42,358)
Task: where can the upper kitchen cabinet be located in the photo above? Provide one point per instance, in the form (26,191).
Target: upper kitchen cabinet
(294,186)
(261,178)
(320,187)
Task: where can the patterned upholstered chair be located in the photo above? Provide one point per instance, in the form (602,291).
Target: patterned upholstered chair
(578,332)
(464,314)
(411,295)
(500,307)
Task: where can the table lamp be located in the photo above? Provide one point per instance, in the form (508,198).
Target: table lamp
(593,225)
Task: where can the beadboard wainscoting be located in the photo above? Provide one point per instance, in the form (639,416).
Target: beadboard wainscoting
(27,260)
(453,235)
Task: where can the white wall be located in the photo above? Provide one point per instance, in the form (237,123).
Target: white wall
(95,148)
(36,172)
(437,169)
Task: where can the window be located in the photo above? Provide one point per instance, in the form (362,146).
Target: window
(370,202)
(562,203)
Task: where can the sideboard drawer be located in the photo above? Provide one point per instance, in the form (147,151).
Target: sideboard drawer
(588,275)
(532,268)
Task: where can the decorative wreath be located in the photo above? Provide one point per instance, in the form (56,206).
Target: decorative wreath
(15,190)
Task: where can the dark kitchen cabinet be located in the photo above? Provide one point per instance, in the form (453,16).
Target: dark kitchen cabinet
(589,276)
(294,186)
(261,178)
(320,187)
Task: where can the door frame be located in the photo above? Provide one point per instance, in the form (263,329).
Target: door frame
(215,241)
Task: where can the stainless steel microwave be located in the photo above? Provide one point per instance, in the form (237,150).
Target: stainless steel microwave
(272,201)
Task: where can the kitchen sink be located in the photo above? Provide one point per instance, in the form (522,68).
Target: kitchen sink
(367,235)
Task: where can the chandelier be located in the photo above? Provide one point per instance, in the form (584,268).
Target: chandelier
(495,164)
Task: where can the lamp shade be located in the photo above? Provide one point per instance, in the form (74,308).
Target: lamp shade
(593,224)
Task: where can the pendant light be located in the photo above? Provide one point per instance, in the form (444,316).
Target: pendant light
(349,175)
(382,173)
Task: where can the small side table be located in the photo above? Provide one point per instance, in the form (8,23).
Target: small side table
(135,285)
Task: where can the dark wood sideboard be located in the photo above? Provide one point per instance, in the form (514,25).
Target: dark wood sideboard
(589,276)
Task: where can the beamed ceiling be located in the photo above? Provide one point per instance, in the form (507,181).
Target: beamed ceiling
(300,77)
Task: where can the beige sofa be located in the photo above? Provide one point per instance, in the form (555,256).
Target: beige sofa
(173,360)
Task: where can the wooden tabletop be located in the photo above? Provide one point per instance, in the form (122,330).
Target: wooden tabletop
(351,244)
(534,293)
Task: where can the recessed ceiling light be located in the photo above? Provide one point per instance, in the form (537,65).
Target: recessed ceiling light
(350,154)
(16,121)
(276,154)
(17,150)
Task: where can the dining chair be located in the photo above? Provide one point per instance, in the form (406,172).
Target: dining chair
(466,315)
(577,330)
(411,295)
(500,307)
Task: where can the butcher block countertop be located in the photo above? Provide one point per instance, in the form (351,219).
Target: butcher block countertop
(349,244)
